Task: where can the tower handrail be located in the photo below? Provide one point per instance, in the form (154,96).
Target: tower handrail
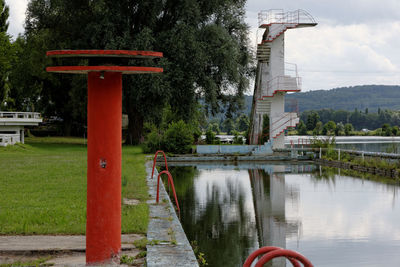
(275,16)
(170,181)
(286,114)
(279,82)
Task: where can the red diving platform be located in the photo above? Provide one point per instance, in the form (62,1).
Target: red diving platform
(103,226)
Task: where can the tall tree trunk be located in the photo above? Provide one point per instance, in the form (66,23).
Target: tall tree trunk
(135,127)
(67,125)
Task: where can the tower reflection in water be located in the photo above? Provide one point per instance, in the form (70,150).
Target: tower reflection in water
(269,196)
(231,211)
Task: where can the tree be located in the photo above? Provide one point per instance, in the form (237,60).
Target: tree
(214,127)
(4,13)
(395,130)
(339,129)
(204,43)
(318,128)
(312,120)
(5,54)
(229,126)
(329,128)
(348,128)
(265,129)
(178,138)
(386,129)
(243,122)
(302,128)
(210,137)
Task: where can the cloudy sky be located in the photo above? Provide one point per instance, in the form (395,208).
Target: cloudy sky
(356,41)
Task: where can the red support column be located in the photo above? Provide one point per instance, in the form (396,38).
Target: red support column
(103,227)
(103,224)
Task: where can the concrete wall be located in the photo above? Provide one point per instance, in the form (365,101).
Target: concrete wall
(225,149)
(15,135)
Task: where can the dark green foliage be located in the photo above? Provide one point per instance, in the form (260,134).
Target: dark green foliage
(178,138)
(153,141)
(229,126)
(302,128)
(265,130)
(4,13)
(318,128)
(339,129)
(214,126)
(359,120)
(242,123)
(312,119)
(210,137)
(6,54)
(204,43)
(237,139)
(395,130)
(386,129)
(329,128)
(348,128)
(372,97)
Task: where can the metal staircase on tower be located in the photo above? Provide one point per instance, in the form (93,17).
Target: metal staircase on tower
(274,79)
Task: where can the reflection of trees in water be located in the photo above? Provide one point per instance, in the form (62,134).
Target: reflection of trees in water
(222,226)
(325,174)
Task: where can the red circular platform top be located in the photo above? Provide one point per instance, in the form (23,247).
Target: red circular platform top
(104,53)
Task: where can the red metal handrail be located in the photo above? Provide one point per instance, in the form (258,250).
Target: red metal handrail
(155,159)
(267,250)
(170,181)
(274,252)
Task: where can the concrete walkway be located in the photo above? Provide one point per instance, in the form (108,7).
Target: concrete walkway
(168,244)
(60,250)
(58,243)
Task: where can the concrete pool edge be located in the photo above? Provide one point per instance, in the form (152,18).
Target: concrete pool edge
(167,241)
(232,158)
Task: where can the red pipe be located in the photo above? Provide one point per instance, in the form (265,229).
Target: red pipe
(171,181)
(155,159)
(266,250)
(289,254)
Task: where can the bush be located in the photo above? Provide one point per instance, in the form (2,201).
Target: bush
(237,139)
(153,141)
(178,138)
(210,136)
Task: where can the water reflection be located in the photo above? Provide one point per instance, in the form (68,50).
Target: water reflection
(217,213)
(233,210)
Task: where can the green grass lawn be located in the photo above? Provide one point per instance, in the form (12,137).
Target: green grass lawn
(43,187)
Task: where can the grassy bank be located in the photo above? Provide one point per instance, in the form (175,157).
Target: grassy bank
(43,187)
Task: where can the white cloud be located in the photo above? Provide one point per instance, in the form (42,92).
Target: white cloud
(354,43)
(334,56)
(17,16)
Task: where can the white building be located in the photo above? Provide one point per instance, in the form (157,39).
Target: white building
(12,126)
(274,77)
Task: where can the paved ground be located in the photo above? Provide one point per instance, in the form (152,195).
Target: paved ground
(58,250)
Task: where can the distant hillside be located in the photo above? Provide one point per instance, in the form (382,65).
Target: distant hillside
(344,98)
(349,98)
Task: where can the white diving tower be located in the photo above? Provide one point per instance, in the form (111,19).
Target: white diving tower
(12,126)
(274,77)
